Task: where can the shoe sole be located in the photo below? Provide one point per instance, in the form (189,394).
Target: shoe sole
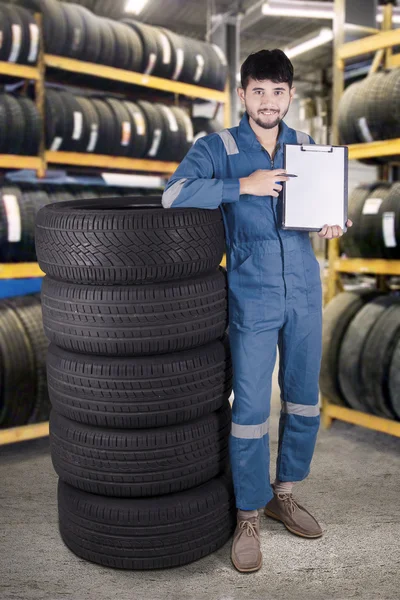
(248,570)
(274,516)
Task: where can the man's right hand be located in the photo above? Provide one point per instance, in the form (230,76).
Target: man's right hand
(263,183)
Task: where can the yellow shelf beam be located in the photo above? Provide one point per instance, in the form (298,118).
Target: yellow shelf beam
(369,44)
(20,270)
(23,71)
(110,162)
(331,411)
(157,83)
(23,433)
(375,266)
(15,161)
(374,149)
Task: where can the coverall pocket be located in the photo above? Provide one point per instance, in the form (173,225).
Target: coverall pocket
(244,294)
(312,274)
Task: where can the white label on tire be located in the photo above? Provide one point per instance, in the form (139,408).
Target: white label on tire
(16,43)
(94,134)
(364,130)
(173,123)
(13,215)
(371,206)
(156,143)
(180,59)
(188,126)
(388,228)
(126,133)
(34,47)
(200,67)
(56,143)
(151,63)
(76,38)
(139,122)
(221,55)
(166,48)
(199,135)
(78,122)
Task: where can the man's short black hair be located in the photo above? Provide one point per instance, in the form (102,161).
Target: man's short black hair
(267,64)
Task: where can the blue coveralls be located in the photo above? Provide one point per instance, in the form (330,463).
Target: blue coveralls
(274,299)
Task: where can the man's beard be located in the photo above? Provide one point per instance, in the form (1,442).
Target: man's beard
(272,124)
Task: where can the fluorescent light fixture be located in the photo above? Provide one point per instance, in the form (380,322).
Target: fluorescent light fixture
(135,6)
(325,35)
(302,10)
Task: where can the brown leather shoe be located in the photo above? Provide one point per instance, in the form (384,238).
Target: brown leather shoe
(246,552)
(283,507)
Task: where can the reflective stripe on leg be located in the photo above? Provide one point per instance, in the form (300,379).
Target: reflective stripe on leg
(305,410)
(250,432)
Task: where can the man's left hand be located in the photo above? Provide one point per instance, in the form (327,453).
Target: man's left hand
(328,232)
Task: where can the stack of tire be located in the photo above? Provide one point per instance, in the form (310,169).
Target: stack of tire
(361,352)
(20,37)
(369,110)
(20,125)
(139,374)
(375,212)
(116,127)
(72,30)
(23,348)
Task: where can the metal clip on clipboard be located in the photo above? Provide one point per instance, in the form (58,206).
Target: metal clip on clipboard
(315,148)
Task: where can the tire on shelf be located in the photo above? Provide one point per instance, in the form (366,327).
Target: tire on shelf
(155,128)
(30,37)
(78,130)
(76,31)
(29,312)
(378,353)
(222,68)
(81,242)
(19,45)
(33,127)
(123,126)
(128,47)
(350,242)
(18,375)
(155,391)
(92,120)
(16,124)
(369,229)
(351,354)
(138,320)
(93,37)
(190,525)
(152,58)
(139,130)
(18,215)
(170,147)
(203,126)
(54,27)
(136,463)
(390,223)
(185,131)
(394,380)
(5,32)
(107,42)
(107,142)
(337,317)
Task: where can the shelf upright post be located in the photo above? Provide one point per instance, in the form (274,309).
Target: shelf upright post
(39,95)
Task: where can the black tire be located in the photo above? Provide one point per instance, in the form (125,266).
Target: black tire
(122,55)
(80,242)
(221,67)
(29,48)
(390,224)
(76,31)
(33,127)
(93,38)
(107,142)
(378,353)
(77,128)
(107,42)
(155,391)
(18,43)
(351,354)
(394,380)
(338,315)
(17,242)
(155,128)
(92,122)
(140,135)
(123,126)
(4,125)
(143,462)
(352,240)
(6,33)
(16,124)
(29,312)
(148,533)
(203,127)
(185,130)
(170,147)
(138,320)
(370,240)
(54,27)
(18,375)
(151,45)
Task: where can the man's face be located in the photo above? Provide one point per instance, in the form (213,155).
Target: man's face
(266,102)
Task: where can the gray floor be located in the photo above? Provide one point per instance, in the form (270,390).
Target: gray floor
(353,489)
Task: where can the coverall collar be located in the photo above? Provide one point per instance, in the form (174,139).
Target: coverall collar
(247,138)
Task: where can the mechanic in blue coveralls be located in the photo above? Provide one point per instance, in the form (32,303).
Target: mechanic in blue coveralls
(274,299)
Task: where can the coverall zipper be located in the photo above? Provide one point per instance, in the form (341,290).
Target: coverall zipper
(276,222)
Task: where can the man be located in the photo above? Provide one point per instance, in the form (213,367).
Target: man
(274,292)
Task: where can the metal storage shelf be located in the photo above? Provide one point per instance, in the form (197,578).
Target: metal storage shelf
(384,40)
(114,163)
(149,81)
(20,270)
(22,71)
(23,433)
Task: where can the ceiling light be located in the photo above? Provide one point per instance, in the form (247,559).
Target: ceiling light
(324,36)
(297,9)
(135,6)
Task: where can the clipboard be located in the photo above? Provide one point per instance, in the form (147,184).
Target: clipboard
(319,194)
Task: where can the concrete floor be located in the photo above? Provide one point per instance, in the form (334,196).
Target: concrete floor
(353,489)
